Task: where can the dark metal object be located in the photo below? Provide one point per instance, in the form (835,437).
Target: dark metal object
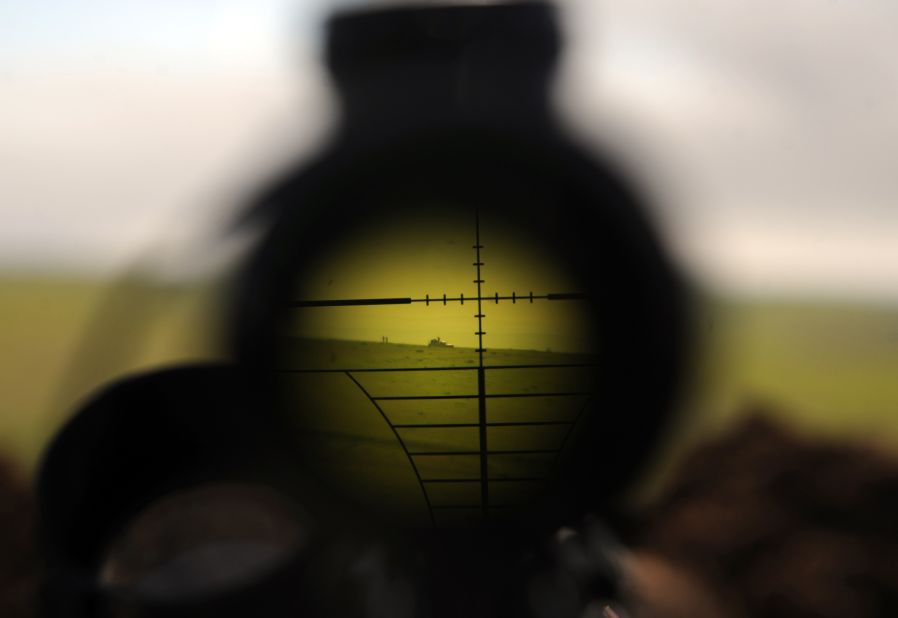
(139,440)
(465,120)
(440,104)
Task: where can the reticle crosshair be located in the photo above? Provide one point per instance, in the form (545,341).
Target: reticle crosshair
(428,418)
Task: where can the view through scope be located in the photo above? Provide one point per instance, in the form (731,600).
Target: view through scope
(438,364)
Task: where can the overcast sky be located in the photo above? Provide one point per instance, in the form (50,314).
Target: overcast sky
(766,130)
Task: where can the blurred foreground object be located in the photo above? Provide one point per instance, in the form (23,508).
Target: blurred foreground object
(768,523)
(19,563)
(450,196)
(284,483)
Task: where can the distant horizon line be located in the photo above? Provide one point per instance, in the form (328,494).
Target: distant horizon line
(453,346)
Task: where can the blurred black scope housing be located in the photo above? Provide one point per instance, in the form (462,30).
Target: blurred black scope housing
(398,67)
(439,105)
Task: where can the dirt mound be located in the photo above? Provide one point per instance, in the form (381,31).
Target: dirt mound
(781,525)
(18,555)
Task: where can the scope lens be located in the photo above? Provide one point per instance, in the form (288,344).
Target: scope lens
(203,541)
(433,364)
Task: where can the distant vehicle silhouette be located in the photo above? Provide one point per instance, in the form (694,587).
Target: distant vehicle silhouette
(439,343)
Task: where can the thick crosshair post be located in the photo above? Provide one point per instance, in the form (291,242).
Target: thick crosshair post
(481,377)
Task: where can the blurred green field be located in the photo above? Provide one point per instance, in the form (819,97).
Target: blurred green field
(60,338)
(829,368)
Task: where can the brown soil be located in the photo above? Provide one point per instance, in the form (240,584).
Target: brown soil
(18,557)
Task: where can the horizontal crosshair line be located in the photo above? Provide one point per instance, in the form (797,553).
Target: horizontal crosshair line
(465,368)
(504,479)
(493,424)
(356,302)
(455,453)
(477,506)
(384,370)
(351,302)
(553,366)
(456,506)
(495,396)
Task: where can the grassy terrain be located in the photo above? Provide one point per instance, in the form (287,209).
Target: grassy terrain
(62,338)
(829,368)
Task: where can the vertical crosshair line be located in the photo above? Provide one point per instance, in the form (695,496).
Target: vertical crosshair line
(481,377)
